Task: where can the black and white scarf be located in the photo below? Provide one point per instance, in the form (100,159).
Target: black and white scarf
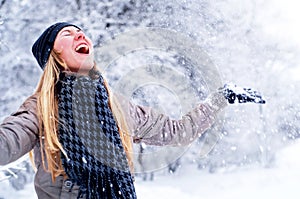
(96,160)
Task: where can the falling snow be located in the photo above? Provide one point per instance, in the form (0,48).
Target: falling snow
(253,44)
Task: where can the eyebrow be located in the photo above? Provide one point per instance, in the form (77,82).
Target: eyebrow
(70,30)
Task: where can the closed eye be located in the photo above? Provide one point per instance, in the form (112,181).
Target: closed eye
(66,33)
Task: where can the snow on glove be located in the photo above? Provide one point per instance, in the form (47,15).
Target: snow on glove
(232,92)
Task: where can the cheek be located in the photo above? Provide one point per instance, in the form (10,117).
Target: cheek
(62,45)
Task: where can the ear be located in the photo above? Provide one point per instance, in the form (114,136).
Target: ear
(59,61)
(57,47)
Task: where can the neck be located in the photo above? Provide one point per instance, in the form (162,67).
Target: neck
(93,73)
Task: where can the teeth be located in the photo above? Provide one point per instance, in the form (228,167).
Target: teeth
(81,46)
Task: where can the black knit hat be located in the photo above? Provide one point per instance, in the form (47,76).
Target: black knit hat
(41,49)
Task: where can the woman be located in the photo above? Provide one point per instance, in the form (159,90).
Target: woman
(80,135)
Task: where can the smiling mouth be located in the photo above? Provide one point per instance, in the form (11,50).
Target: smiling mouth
(82,49)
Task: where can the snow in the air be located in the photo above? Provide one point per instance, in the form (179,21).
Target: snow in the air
(252,43)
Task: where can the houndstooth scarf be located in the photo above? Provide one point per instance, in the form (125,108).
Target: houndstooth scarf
(96,159)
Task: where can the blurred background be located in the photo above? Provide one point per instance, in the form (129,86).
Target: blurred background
(253,43)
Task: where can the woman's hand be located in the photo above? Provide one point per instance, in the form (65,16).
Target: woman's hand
(234,93)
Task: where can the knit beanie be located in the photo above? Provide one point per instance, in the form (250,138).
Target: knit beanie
(42,47)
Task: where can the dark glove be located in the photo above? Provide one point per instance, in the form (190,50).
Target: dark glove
(243,95)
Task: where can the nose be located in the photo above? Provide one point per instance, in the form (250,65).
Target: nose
(79,35)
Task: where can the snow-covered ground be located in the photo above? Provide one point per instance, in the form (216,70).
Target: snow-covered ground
(280,181)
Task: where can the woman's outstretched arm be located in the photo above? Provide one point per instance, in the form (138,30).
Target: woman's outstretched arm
(154,128)
(19,132)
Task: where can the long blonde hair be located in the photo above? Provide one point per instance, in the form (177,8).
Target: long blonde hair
(47,112)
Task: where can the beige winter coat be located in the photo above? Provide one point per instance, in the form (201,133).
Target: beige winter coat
(19,134)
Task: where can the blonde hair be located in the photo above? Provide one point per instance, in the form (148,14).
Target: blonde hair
(47,112)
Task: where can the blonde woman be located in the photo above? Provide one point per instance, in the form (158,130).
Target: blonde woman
(80,136)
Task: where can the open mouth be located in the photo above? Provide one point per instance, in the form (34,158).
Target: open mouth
(82,49)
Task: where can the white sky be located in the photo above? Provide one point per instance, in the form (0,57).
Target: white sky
(282,19)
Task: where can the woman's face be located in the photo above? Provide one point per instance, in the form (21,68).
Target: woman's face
(75,49)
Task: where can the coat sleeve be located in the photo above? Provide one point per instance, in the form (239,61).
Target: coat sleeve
(19,132)
(153,128)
